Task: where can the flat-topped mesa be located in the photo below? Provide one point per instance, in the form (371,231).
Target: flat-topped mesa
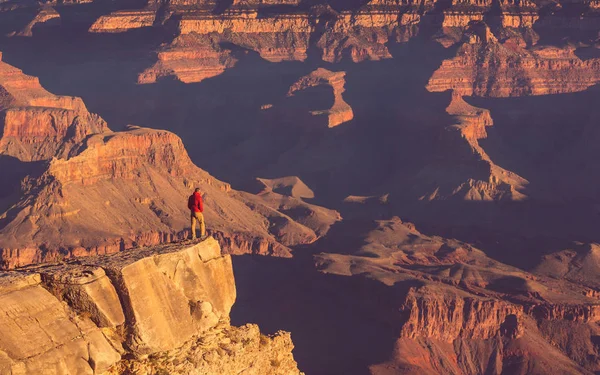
(124,20)
(35,123)
(341,111)
(153,14)
(262,3)
(169,302)
(190,58)
(124,155)
(244,22)
(276,38)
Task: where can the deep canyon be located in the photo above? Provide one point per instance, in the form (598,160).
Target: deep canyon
(391,187)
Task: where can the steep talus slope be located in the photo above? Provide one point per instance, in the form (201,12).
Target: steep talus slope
(104,191)
(150,310)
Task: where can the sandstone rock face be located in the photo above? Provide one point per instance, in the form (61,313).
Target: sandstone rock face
(489,67)
(40,335)
(511,65)
(449,318)
(222,350)
(123,20)
(191,58)
(36,124)
(169,302)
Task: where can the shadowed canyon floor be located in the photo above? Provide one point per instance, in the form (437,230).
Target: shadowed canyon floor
(330,127)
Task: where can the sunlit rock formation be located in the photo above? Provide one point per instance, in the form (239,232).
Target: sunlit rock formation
(162,309)
(485,66)
(36,124)
(97,191)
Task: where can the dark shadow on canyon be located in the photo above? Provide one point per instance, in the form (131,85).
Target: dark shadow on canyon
(339,325)
(394,134)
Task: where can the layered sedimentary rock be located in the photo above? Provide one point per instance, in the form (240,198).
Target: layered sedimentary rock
(503,65)
(36,124)
(123,20)
(129,189)
(99,191)
(458,311)
(485,66)
(191,58)
(446,306)
(146,310)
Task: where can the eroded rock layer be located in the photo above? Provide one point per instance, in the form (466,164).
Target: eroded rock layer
(457,311)
(96,191)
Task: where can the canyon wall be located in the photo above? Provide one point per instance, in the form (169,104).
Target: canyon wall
(452,309)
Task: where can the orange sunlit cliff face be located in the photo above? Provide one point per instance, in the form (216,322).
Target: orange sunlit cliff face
(389,187)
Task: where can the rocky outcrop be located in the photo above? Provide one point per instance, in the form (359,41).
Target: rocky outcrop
(506,65)
(148,174)
(191,58)
(341,111)
(39,334)
(45,17)
(123,20)
(449,317)
(36,124)
(145,310)
(222,350)
(485,66)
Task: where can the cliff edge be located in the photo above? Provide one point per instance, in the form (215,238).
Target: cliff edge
(162,309)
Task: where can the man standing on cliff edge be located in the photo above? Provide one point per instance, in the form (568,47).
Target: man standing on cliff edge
(196,209)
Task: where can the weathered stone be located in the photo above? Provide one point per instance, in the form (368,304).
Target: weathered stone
(39,335)
(176,301)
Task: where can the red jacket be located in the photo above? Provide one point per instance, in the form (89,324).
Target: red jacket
(195,203)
